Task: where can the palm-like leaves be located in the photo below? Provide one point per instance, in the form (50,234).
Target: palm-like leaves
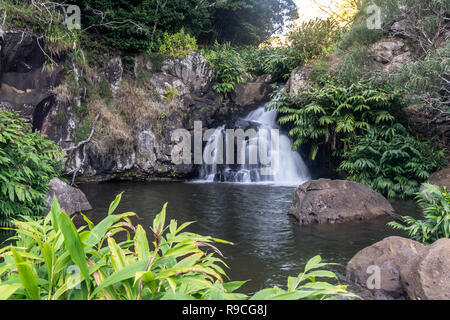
(435,204)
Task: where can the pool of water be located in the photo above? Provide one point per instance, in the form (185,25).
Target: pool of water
(269,245)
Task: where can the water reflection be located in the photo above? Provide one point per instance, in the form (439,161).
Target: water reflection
(269,246)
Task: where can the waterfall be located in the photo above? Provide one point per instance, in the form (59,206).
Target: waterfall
(287,166)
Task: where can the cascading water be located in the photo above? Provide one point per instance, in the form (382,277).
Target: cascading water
(287,166)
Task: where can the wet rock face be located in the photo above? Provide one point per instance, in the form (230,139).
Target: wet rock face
(71,200)
(337,201)
(252,92)
(113,73)
(406,269)
(24,86)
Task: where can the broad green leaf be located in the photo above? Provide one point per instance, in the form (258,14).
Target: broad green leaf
(26,275)
(7,290)
(73,244)
(141,244)
(113,206)
(128,272)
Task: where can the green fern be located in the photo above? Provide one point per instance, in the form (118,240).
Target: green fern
(393,163)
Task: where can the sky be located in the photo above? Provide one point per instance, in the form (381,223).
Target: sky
(309,9)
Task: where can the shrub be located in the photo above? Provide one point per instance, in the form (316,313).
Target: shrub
(28,162)
(268,60)
(230,67)
(333,114)
(425,82)
(435,203)
(178,45)
(390,161)
(89,264)
(312,40)
(320,74)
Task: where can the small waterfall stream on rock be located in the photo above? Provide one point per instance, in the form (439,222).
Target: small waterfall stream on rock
(287,165)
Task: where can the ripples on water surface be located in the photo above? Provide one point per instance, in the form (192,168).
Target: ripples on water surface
(269,246)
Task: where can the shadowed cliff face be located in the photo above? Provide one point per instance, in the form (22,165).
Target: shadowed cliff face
(24,86)
(132,137)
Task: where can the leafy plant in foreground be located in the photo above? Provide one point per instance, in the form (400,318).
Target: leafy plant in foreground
(28,161)
(435,203)
(40,264)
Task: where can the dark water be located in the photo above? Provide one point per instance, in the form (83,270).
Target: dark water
(269,246)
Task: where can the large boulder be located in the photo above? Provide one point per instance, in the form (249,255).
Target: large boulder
(71,200)
(299,80)
(388,256)
(337,201)
(428,276)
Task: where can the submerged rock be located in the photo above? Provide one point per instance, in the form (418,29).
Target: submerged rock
(337,201)
(71,200)
(387,256)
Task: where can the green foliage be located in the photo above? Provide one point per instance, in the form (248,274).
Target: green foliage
(423,30)
(320,74)
(359,35)
(306,287)
(312,40)
(435,203)
(28,162)
(268,60)
(230,67)
(170,94)
(129,25)
(355,66)
(390,161)
(43,20)
(52,260)
(178,45)
(83,129)
(104,90)
(333,114)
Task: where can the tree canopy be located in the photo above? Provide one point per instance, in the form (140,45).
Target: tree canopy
(133,25)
